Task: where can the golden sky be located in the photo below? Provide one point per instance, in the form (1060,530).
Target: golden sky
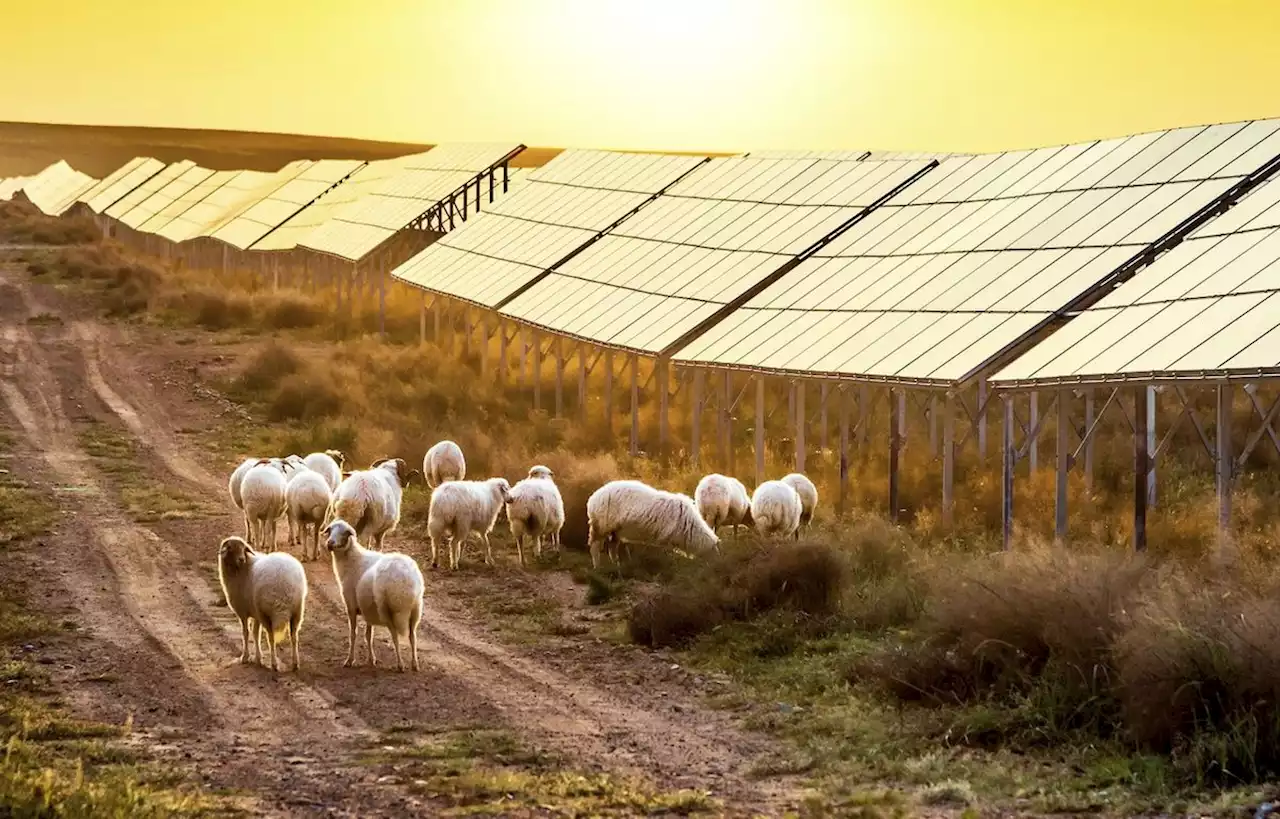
(721,75)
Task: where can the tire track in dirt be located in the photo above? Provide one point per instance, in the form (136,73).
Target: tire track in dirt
(619,732)
(259,729)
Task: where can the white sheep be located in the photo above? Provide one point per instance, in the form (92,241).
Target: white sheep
(383,588)
(369,499)
(808,497)
(263,493)
(459,508)
(775,509)
(307,502)
(328,464)
(722,501)
(535,510)
(443,462)
(633,512)
(269,590)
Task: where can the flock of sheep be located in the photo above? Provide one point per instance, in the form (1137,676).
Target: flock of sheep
(267,589)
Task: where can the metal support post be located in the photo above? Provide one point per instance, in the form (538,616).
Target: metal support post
(948,458)
(1224,464)
(1009,458)
(382,297)
(895,448)
(843,416)
(801,422)
(726,423)
(536,374)
(933,425)
(1152,445)
(635,405)
(1063,464)
(664,399)
(559,369)
(1033,429)
(1088,445)
(824,396)
(1141,465)
(695,418)
(982,420)
(582,380)
(608,392)
(760,415)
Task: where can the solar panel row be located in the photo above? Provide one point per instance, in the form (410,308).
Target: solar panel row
(56,188)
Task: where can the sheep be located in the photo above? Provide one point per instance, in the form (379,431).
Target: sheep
(328,464)
(722,501)
(370,498)
(307,501)
(775,509)
(443,462)
(808,498)
(263,494)
(459,508)
(269,590)
(631,511)
(383,587)
(535,509)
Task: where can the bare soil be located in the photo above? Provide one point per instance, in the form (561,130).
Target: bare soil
(163,648)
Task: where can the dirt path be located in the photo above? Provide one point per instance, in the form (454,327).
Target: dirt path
(170,646)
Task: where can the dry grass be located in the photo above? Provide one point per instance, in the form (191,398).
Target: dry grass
(22,223)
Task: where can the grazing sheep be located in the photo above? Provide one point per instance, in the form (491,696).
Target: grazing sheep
(534,510)
(383,588)
(722,501)
(459,508)
(263,494)
(630,511)
(269,590)
(328,464)
(775,509)
(307,501)
(443,462)
(370,499)
(808,498)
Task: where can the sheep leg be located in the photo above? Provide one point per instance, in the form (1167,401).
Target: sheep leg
(488,549)
(244,640)
(271,642)
(351,639)
(248,528)
(414,617)
(295,623)
(397,623)
(368,643)
(257,642)
(537,545)
(435,558)
(293,537)
(520,549)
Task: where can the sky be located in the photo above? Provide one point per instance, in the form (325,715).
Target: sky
(714,75)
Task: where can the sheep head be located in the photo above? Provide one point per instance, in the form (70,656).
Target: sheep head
(413,476)
(234,553)
(502,487)
(396,465)
(337,456)
(339,536)
(542,472)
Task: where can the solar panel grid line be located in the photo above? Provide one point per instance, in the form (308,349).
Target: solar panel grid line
(111,180)
(203,207)
(126,204)
(176,192)
(1171,157)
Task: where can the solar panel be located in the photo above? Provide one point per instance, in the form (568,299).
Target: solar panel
(56,188)
(850,156)
(172,199)
(1209,308)
(279,204)
(703,244)
(558,209)
(10,186)
(306,221)
(971,261)
(242,192)
(402,191)
(205,203)
(120,182)
(147,189)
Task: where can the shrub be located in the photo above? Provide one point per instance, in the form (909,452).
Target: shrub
(286,311)
(304,397)
(272,363)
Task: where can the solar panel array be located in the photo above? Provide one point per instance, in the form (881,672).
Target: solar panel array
(972,260)
(1207,309)
(561,207)
(120,182)
(173,199)
(208,202)
(55,189)
(302,224)
(11,185)
(371,209)
(293,193)
(146,190)
(705,242)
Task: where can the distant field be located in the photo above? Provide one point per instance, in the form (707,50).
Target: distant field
(26,148)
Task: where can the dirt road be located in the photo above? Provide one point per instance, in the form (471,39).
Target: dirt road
(162,648)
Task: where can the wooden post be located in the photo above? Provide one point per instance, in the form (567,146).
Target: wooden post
(801,422)
(664,398)
(608,391)
(948,458)
(1141,465)
(895,446)
(695,418)
(559,372)
(1088,445)
(1009,460)
(582,380)
(982,420)
(843,416)
(536,373)
(635,405)
(1063,465)
(1033,429)
(1224,464)
(760,414)
(1152,444)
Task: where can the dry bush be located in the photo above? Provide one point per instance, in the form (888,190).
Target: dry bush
(268,367)
(304,396)
(127,285)
(290,310)
(209,307)
(22,223)
(1199,677)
